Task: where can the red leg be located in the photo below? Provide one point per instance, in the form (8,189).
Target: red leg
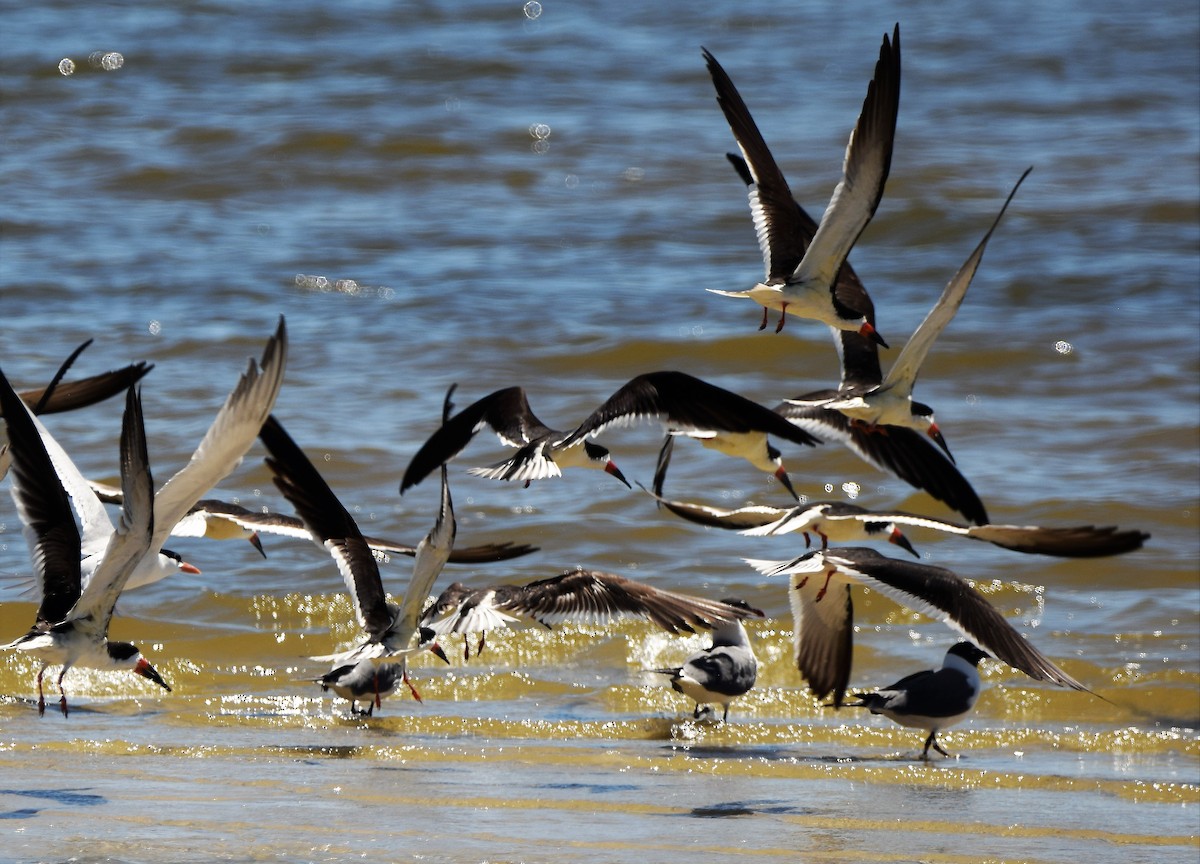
(62,700)
(763,325)
(41,695)
(824,541)
(807,540)
(782,317)
(411,688)
(825,587)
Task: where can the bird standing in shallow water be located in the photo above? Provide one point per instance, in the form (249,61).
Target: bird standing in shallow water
(934,699)
(363,680)
(722,672)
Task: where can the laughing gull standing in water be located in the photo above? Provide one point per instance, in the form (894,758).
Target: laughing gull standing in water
(542,452)
(722,672)
(363,681)
(823,612)
(934,699)
(809,290)
(71,626)
(689,407)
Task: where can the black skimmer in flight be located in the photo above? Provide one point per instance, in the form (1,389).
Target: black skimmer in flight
(899,451)
(71,626)
(542,452)
(889,404)
(848,523)
(363,681)
(224,520)
(843,522)
(581,596)
(57,397)
(389,628)
(823,613)
(722,672)
(97,526)
(934,699)
(692,408)
(808,290)
(230,435)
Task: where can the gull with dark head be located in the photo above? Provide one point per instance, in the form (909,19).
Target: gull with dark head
(364,681)
(934,699)
(721,672)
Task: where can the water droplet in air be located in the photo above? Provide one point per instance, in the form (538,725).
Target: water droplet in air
(155,328)
(1063,347)
(539,130)
(66,66)
(533,9)
(107,61)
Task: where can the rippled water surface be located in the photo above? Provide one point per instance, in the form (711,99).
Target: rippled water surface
(492,195)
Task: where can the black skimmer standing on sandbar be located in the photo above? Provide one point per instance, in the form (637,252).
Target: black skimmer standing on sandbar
(823,613)
(389,628)
(721,672)
(808,291)
(71,626)
(889,404)
(689,407)
(582,596)
(542,452)
(934,699)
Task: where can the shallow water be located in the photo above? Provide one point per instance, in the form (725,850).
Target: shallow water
(167,209)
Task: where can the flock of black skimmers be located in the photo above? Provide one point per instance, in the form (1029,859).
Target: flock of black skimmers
(83,561)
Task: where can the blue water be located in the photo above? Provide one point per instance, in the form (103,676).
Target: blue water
(543,200)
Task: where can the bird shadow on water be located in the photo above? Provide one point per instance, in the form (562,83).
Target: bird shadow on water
(741,808)
(68,797)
